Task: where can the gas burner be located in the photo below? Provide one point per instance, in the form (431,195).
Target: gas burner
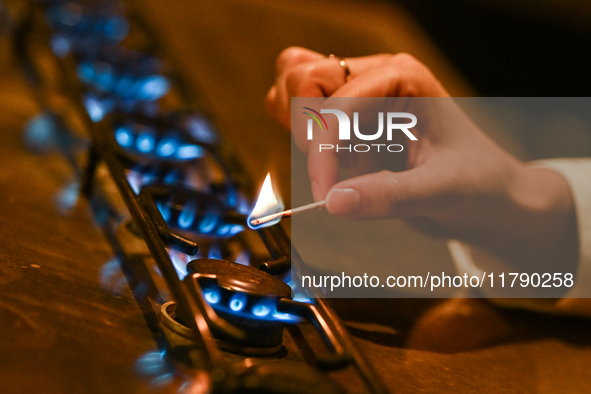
(94,16)
(146,174)
(158,150)
(246,298)
(80,28)
(190,211)
(117,79)
(142,140)
(100,104)
(124,74)
(199,127)
(245,280)
(154,150)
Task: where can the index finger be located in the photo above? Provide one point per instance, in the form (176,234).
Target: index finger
(294,56)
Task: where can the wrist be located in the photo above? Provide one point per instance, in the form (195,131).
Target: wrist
(544,220)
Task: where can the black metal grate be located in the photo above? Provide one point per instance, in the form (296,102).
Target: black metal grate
(114,103)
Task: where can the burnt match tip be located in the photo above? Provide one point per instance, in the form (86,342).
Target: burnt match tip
(255,222)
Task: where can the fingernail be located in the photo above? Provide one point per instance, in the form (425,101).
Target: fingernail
(343,201)
(316,191)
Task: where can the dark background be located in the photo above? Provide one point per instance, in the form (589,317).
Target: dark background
(521,48)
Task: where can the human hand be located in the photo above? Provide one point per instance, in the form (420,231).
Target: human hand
(456,182)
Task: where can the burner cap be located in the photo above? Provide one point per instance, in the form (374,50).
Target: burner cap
(241,278)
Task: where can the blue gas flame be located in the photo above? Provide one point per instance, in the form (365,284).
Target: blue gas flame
(124,136)
(201,129)
(60,45)
(116,28)
(66,199)
(97,108)
(153,366)
(237,302)
(243,257)
(104,77)
(149,176)
(153,87)
(135,180)
(173,176)
(167,147)
(224,229)
(212,296)
(208,223)
(164,210)
(261,309)
(112,279)
(187,216)
(41,132)
(125,86)
(235,229)
(151,363)
(179,260)
(189,152)
(215,251)
(302,299)
(145,142)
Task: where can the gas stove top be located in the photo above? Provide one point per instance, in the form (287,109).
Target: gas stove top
(70,320)
(173,203)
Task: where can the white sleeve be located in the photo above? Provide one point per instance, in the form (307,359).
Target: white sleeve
(577,301)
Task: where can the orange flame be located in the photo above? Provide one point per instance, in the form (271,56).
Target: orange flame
(268,203)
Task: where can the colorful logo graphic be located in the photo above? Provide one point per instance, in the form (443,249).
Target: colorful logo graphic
(316,117)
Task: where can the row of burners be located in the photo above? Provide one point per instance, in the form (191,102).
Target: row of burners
(171,159)
(167,161)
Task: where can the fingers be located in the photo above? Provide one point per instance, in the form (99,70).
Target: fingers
(422,191)
(301,73)
(294,56)
(304,73)
(287,59)
(313,79)
(323,165)
(399,75)
(323,170)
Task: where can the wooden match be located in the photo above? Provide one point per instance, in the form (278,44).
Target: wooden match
(288,213)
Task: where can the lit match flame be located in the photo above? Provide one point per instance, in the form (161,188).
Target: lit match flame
(267,203)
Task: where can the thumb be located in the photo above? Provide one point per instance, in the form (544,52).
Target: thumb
(417,192)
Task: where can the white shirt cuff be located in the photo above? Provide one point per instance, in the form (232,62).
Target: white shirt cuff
(577,173)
